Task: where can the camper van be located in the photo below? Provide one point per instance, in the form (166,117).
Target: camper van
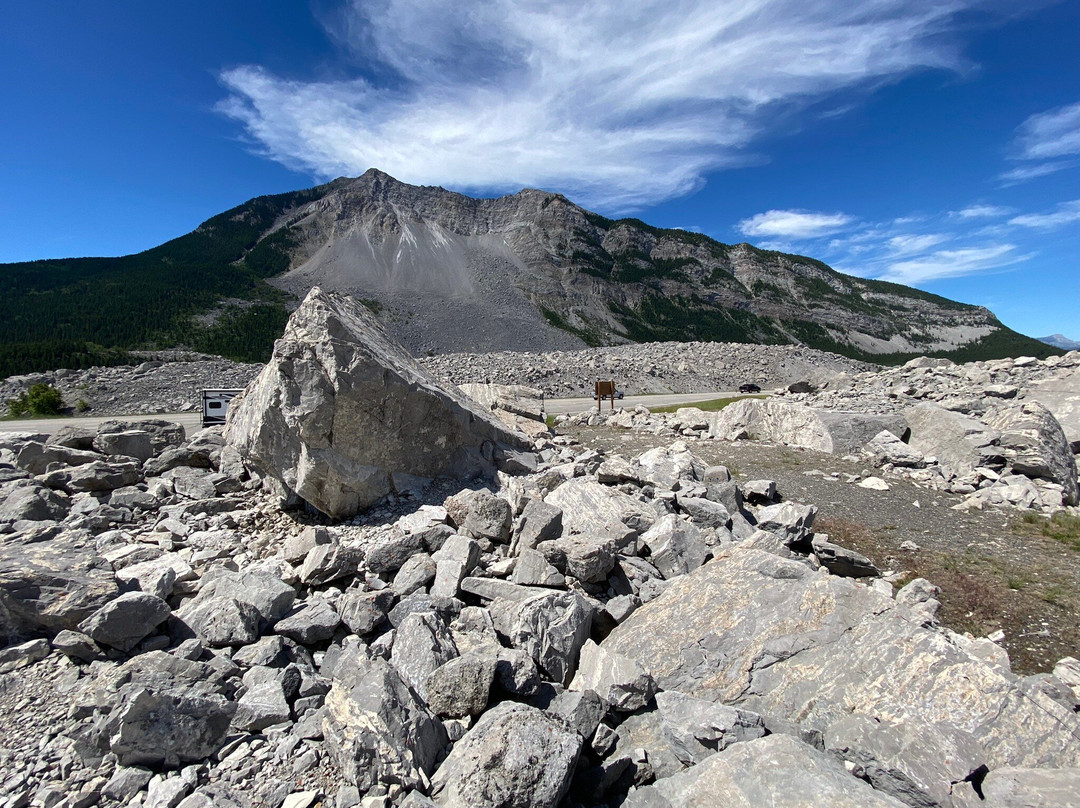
(215,405)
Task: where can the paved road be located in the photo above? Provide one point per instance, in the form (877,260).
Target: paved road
(191,420)
(557,406)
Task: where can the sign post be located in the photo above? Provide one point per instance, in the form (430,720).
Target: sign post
(605,389)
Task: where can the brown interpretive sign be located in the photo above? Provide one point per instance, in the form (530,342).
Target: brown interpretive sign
(605,390)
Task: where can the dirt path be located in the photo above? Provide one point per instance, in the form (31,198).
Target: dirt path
(992,576)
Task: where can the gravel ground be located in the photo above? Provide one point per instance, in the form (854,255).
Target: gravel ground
(991,577)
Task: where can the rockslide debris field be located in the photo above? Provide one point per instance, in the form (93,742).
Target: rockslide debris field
(515,621)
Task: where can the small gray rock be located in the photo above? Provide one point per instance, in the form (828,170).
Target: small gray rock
(363,612)
(297,546)
(423,643)
(489,517)
(621,682)
(414,575)
(124,622)
(311,623)
(221,621)
(514,757)
(460,687)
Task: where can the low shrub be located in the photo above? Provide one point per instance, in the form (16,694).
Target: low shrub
(41,399)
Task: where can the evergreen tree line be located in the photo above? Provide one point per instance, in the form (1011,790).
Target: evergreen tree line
(81,312)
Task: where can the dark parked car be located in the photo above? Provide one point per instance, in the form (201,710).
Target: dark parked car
(749,388)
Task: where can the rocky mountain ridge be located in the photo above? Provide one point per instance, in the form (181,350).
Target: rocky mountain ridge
(531,269)
(444,272)
(1061,341)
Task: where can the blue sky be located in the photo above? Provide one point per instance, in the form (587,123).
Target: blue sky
(930,142)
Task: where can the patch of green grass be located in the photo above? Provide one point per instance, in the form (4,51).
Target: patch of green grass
(1016,582)
(1063,527)
(1055,595)
(712,405)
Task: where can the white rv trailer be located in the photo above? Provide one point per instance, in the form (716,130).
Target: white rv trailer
(215,405)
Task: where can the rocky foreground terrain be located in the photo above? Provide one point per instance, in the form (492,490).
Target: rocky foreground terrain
(487,620)
(1003,432)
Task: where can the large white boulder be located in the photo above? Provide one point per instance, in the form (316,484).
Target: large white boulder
(341,409)
(830,431)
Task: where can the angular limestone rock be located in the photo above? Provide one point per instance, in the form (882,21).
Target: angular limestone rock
(1021,788)
(519,407)
(1036,446)
(123,622)
(696,728)
(795,425)
(376,728)
(620,681)
(957,441)
(1061,395)
(777,771)
(591,508)
(552,627)
(515,757)
(52,584)
(341,408)
(768,634)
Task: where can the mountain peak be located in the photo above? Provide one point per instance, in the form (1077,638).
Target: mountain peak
(1061,341)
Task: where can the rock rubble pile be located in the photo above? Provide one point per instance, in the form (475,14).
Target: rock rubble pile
(1005,432)
(658,367)
(153,387)
(173,383)
(188,643)
(572,629)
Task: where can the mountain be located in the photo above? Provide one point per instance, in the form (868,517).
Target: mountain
(1061,341)
(447,272)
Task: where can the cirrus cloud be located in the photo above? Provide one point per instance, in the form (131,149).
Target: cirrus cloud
(952,263)
(1046,143)
(793,224)
(620,103)
(1065,213)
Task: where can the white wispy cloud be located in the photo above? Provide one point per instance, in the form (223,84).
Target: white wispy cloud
(619,103)
(1045,144)
(793,224)
(981,212)
(1051,134)
(908,243)
(1065,213)
(951,264)
(915,249)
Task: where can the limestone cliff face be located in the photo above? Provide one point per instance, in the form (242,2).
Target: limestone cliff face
(533,271)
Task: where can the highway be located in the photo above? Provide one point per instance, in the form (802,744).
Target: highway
(192,423)
(557,406)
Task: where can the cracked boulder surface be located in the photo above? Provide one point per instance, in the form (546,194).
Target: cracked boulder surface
(774,636)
